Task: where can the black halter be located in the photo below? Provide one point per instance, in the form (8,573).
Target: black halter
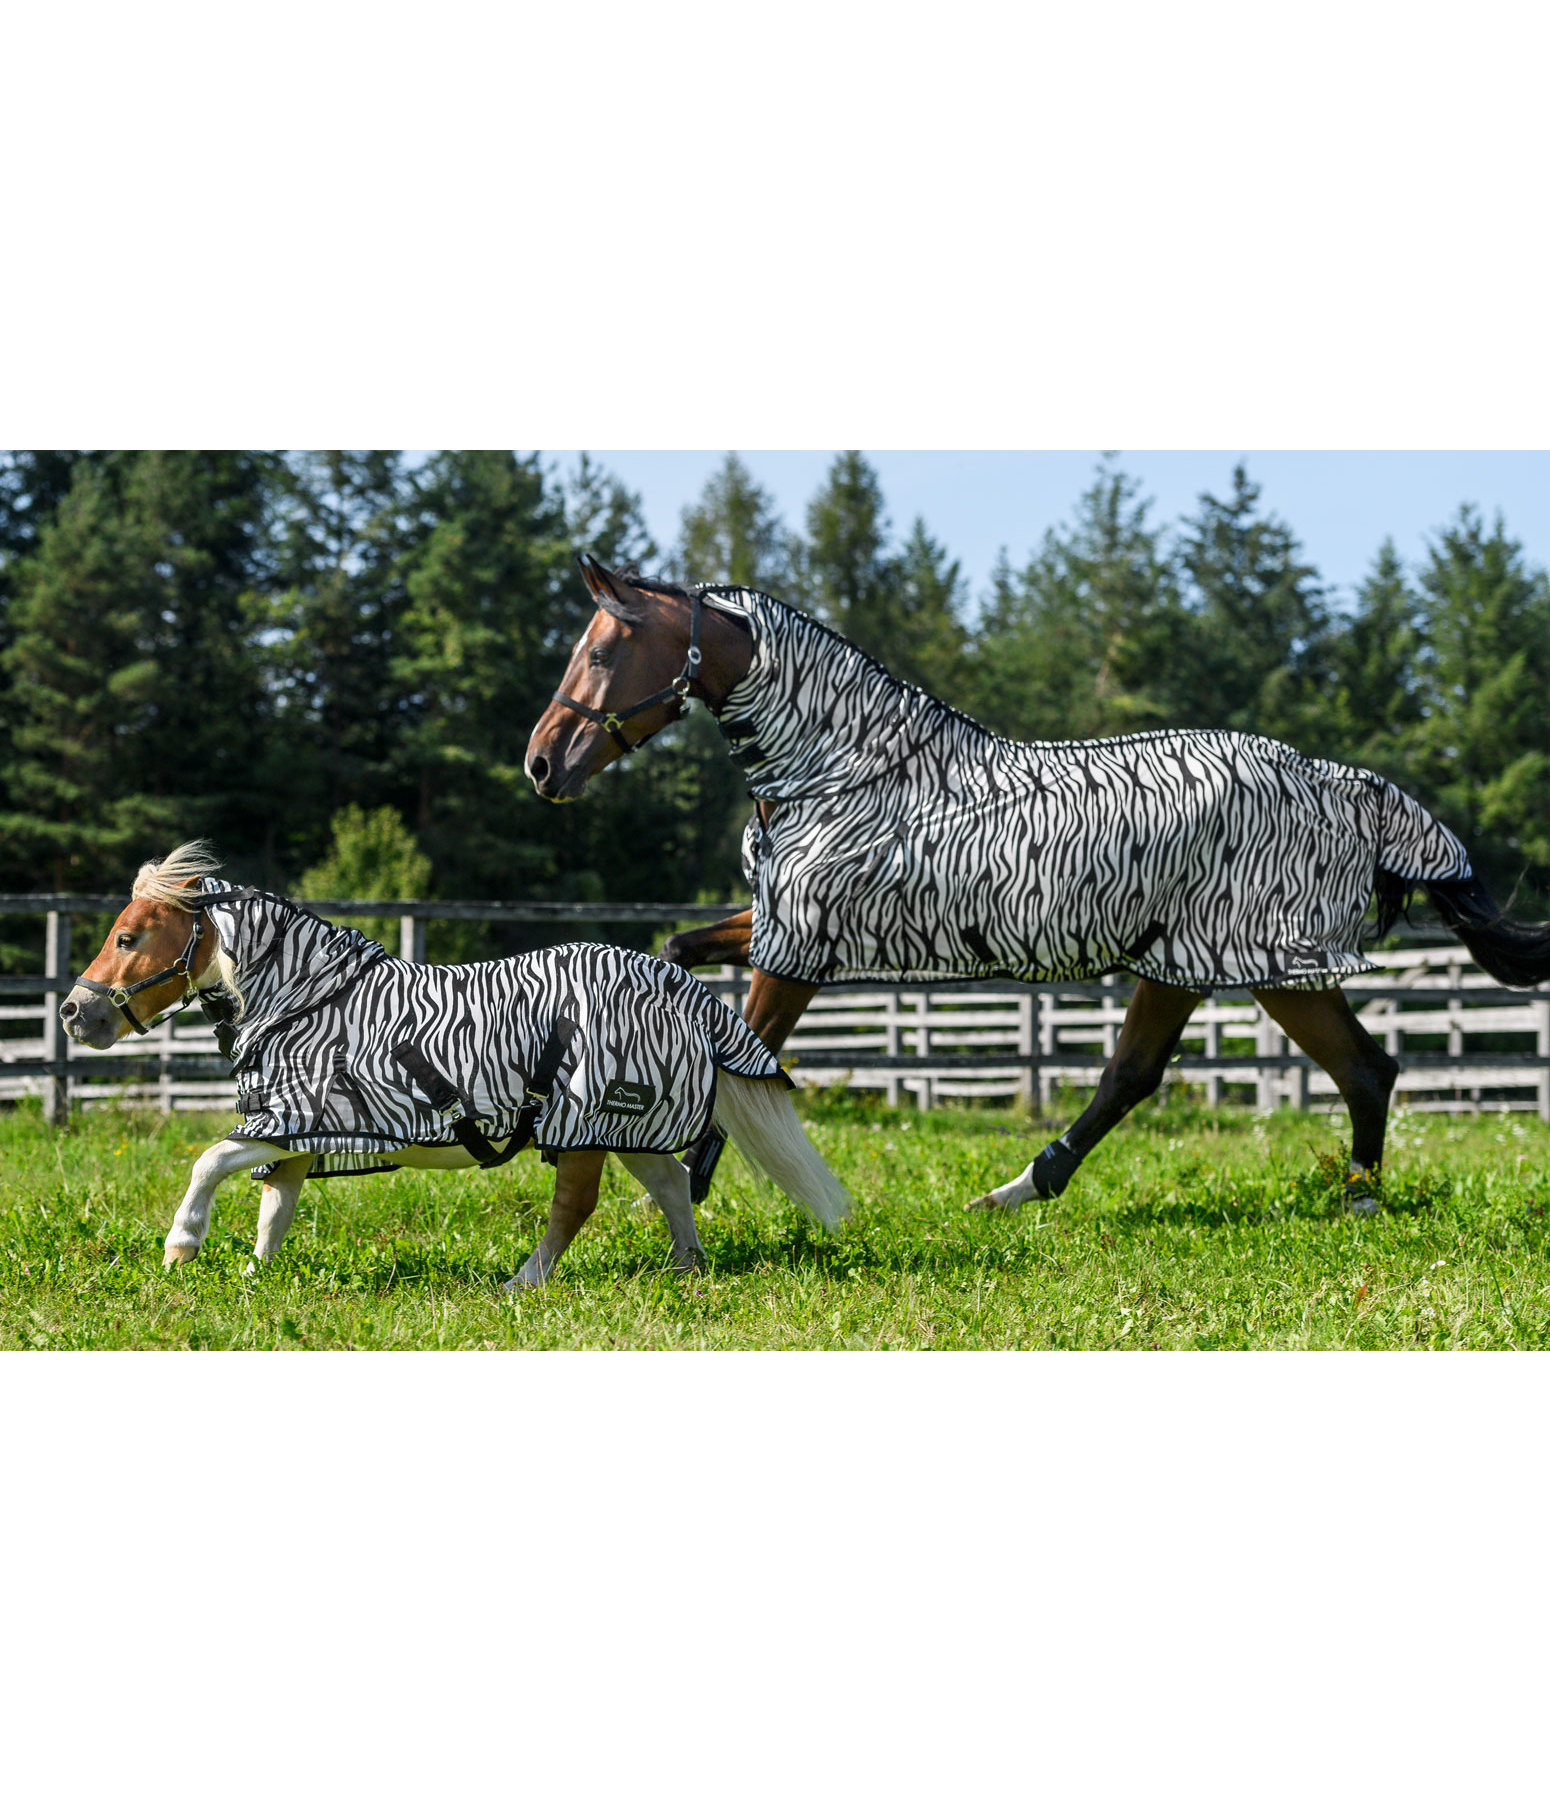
(184,966)
(119,997)
(612,722)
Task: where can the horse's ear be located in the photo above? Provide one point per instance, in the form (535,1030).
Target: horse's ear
(609,592)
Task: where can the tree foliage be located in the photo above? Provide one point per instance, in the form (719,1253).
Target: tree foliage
(330,662)
(733,535)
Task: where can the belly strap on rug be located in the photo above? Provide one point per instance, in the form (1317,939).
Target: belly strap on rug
(454,1108)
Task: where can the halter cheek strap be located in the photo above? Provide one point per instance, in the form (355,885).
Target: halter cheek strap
(678,689)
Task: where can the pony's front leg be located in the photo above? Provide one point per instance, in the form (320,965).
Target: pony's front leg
(278,1206)
(192,1219)
(576,1177)
(667,1181)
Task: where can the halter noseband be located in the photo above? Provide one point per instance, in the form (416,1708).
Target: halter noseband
(678,689)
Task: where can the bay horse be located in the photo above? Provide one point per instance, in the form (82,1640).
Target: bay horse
(350,1061)
(895,838)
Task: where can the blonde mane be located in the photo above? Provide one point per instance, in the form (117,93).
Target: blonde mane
(166,878)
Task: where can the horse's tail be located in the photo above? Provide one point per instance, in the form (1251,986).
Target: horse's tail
(1412,841)
(759,1118)
(1513,953)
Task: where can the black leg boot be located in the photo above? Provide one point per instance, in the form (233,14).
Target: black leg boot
(700,1160)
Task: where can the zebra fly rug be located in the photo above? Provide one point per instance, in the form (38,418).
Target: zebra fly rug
(349,1060)
(899,838)
(339,1045)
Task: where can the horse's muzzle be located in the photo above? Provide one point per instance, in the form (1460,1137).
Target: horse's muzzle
(555,780)
(89,1018)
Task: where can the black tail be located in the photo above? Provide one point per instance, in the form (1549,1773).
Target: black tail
(1514,954)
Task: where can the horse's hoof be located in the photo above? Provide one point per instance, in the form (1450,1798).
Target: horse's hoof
(1359,1197)
(991,1202)
(178,1253)
(522,1283)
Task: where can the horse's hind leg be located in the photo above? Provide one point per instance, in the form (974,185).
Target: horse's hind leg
(667,1181)
(1322,1025)
(277,1207)
(1154,1022)
(576,1177)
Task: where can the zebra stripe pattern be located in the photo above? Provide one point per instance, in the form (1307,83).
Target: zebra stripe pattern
(906,840)
(324,1006)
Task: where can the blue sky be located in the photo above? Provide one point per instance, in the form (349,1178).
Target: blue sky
(1340,503)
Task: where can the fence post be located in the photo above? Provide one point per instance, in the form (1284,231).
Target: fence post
(1266,1082)
(891,1042)
(1542,1036)
(925,1087)
(1213,1049)
(1027,1045)
(56,966)
(411,938)
(1046,1050)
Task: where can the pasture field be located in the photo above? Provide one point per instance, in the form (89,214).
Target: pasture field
(1186,1229)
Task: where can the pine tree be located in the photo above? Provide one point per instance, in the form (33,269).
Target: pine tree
(1256,661)
(604,517)
(194,524)
(341,526)
(1031,660)
(1375,657)
(847,577)
(473,662)
(928,638)
(1482,746)
(84,681)
(32,484)
(732,534)
(1082,642)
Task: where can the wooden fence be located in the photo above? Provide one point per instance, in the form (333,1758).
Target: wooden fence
(1465,1043)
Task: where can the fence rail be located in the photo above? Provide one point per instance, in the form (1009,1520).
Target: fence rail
(1465,1044)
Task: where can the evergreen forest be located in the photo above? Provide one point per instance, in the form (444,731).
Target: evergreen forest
(329,663)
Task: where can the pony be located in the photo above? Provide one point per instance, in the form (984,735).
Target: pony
(349,1060)
(893,837)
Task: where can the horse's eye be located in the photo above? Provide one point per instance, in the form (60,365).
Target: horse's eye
(126,940)
(599,657)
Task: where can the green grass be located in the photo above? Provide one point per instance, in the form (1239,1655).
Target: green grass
(1185,1230)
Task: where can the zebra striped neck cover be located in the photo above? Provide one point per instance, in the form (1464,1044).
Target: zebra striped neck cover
(324,1008)
(911,842)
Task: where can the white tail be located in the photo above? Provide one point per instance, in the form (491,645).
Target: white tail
(759,1118)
